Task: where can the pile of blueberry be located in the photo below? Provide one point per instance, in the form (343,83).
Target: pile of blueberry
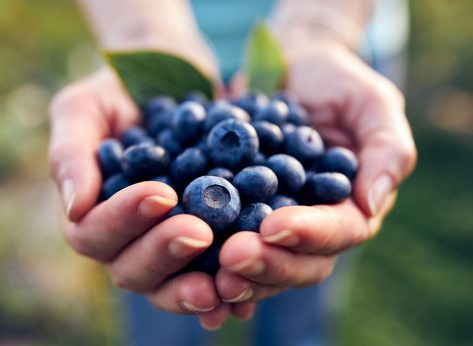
(231,163)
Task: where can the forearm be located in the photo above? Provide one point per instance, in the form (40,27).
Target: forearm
(310,20)
(135,23)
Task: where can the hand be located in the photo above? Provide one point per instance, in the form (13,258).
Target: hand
(125,232)
(352,106)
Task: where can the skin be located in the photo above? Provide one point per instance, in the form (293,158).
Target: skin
(297,246)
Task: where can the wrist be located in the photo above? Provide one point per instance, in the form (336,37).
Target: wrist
(309,23)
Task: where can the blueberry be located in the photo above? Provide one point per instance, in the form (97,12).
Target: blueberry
(276,112)
(270,136)
(110,154)
(159,123)
(188,121)
(305,144)
(134,135)
(222,173)
(290,172)
(340,160)
(223,111)
(112,185)
(163,179)
(326,188)
(259,159)
(231,143)
(189,165)
(177,210)
(256,184)
(214,200)
(168,141)
(298,115)
(157,106)
(252,102)
(251,217)
(285,96)
(287,129)
(196,96)
(280,201)
(206,262)
(144,161)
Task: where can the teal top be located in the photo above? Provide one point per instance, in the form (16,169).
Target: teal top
(226,24)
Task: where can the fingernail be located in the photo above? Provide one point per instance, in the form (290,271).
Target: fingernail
(189,307)
(243,296)
(379,192)
(210,328)
(249,267)
(68,195)
(283,238)
(184,246)
(155,206)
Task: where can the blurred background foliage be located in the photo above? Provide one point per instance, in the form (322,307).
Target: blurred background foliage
(413,284)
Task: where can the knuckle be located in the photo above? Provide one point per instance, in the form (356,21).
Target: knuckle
(63,99)
(117,278)
(408,156)
(78,243)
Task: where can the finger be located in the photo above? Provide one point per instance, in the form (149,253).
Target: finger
(81,115)
(112,224)
(387,151)
(322,229)
(244,311)
(214,319)
(235,289)
(162,251)
(189,293)
(245,254)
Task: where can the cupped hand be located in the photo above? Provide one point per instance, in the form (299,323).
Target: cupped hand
(127,232)
(350,105)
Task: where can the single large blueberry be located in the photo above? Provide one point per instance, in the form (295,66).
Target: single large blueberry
(339,159)
(290,172)
(280,201)
(256,184)
(188,121)
(213,199)
(222,173)
(251,217)
(223,111)
(252,102)
(270,136)
(305,144)
(168,141)
(206,262)
(144,161)
(189,165)
(134,135)
(276,112)
(231,143)
(326,188)
(112,185)
(110,154)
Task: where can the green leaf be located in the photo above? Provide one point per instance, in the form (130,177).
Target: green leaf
(264,61)
(149,73)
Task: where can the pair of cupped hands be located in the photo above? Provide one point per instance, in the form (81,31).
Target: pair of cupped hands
(349,104)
